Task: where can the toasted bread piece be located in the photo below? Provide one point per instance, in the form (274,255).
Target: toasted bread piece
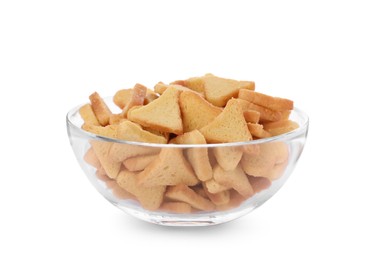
(285,115)
(149,197)
(193,137)
(219,90)
(251,116)
(251,149)
(122,97)
(262,164)
(156,132)
(101,175)
(101,150)
(88,115)
(107,131)
(101,110)
(214,187)
(196,111)
(273,103)
(120,152)
(245,84)
(176,207)
(277,171)
(150,96)
(244,104)
(258,131)
(139,163)
(228,157)
(235,179)
(120,193)
(171,168)
(195,83)
(235,200)
(152,115)
(130,131)
(200,191)
(198,157)
(280,127)
(229,126)
(161,87)
(185,194)
(116,119)
(218,198)
(259,183)
(91,158)
(137,98)
(110,184)
(265,113)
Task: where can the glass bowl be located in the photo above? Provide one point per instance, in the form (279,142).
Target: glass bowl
(253,170)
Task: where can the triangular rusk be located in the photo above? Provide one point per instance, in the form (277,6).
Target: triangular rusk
(235,179)
(196,111)
(130,131)
(101,149)
(153,114)
(229,126)
(171,168)
(198,157)
(219,90)
(149,198)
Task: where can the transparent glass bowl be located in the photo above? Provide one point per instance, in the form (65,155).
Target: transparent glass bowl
(267,162)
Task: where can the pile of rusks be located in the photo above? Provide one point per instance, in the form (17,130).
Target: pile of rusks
(199,111)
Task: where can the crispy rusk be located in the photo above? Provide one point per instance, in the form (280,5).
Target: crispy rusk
(229,126)
(88,115)
(273,103)
(130,131)
(101,150)
(139,163)
(136,99)
(219,90)
(161,87)
(251,116)
(235,179)
(176,207)
(153,114)
(91,158)
(101,110)
(280,127)
(171,168)
(185,194)
(228,157)
(149,197)
(196,111)
(198,157)
(257,130)
(262,164)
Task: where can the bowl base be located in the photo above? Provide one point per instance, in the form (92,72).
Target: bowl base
(186,220)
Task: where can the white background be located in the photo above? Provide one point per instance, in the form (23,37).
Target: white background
(53,54)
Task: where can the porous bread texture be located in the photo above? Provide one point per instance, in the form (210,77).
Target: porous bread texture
(229,126)
(88,115)
(219,90)
(130,131)
(101,149)
(198,157)
(171,168)
(101,110)
(150,198)
(153,114)
(196,111)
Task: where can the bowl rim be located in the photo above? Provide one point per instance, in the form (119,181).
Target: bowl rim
(286,136)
